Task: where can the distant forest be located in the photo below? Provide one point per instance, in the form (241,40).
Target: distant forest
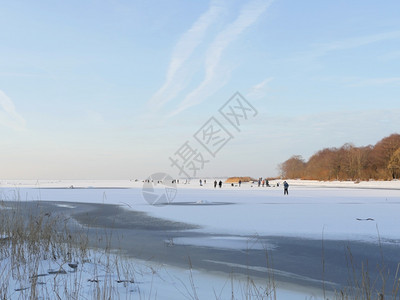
(380,162)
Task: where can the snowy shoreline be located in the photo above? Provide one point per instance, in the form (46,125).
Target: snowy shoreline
(194,183)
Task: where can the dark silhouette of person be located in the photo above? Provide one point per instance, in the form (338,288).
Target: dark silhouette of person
(215,183)
(285,188)
(240,182)
(220,184)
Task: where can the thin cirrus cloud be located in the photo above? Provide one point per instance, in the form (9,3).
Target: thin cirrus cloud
(215,77)
(187,44)
(259,90)
(390,56)
(357,42)
(322,49)
(363,82)
(9,117)
(179,71)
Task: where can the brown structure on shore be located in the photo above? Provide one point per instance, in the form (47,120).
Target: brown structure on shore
(236,179)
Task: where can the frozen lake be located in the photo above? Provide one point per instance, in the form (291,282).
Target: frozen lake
(307,238)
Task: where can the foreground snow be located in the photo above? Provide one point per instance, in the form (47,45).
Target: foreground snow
(107,275)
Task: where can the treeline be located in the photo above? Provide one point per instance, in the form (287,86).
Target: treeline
(380,162)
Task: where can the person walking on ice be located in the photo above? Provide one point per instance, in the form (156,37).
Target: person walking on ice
(285,188)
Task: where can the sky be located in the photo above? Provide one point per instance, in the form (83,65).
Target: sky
(121,89)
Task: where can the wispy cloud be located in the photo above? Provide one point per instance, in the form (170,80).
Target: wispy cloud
(94,117)
(215,77)
(330,128)
(187,44)
(390,56)
(8,115)
(363,82)
(259,90)
(16,74)
(318,50)
(322,49)
(356,42)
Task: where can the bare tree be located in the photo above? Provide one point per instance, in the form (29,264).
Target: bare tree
(293,168)
(394,164)
(349,162)
(382,154)
(323,165)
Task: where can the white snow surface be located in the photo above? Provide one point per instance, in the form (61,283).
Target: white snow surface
(98,277)
(332,210)
(365,211)
(224,242)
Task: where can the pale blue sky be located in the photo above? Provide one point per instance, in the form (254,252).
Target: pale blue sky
(111,89)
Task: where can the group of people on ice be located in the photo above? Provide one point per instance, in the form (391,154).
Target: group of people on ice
(261,182)
(219,184)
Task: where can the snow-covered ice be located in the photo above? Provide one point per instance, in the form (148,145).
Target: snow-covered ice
(336,210)
(366,211)
(224,242)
